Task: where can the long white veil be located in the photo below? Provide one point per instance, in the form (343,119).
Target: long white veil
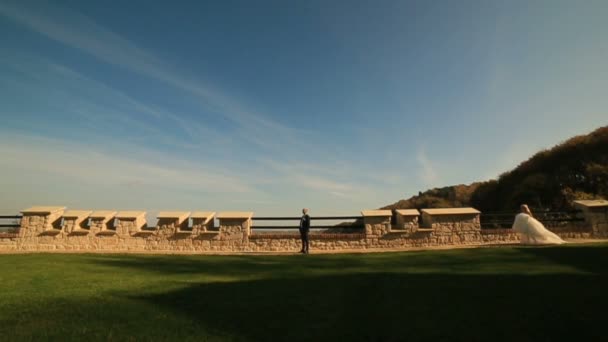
(533,232)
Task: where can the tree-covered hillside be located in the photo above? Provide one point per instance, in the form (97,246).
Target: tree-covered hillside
(574,169)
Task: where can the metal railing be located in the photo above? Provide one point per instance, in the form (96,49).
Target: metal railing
(10,223)
(504,219)
(488,220)
(343,225)
(5,224)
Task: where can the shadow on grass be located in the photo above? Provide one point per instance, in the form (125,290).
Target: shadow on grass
(505,260)
(303,266)
(590,258)
(293,303)
(389,307)
(355,307)
(388,297)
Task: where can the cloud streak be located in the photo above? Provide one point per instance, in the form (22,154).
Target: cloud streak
(427,171)
(278,149)
(78,31)
(89,165)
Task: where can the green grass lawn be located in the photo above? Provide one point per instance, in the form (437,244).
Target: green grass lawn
(486,294)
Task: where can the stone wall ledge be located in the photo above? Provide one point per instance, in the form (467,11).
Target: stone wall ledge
(179,216)
(591,203)
(235,215)
(311,236)
(399,231)
(206,215)
(8,235)
(497,231)
(106,232)
(407,212)
(371,213)
(42,210)
(103,214)
(77,214)
(451,211)
(79,232)
(144,233)
(51,232)
(131,215)
(184,232)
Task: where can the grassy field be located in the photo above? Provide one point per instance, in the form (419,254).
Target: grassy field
(487,294)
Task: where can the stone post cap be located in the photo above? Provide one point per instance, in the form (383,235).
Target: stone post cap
(104,214)
(366,213)
(77,213)
(451,211)
(130,214)
(235,215)
(181,216)
(207,215)
(591,203)
(407,212)
(42,210)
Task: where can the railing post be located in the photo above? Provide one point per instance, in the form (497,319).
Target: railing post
(37,220)
(102,222)
(130,222)
(235,226)
(203,222)
(73,220)
(406,220)
(453,225)
(595,213)
(172,222)
(377,222)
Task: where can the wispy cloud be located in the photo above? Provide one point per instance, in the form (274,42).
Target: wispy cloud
(103,106)
(250,127)
(339,194)
(427,171)
(312,176)
(90,165)
(78,31)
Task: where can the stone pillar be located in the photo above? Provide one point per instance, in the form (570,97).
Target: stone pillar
(235,226)
(406,220)
(173,222)
(130,222)
(75,221)
(377,222)
(102,222)
(203,223)
(40,220)
(595,213)
(452,225)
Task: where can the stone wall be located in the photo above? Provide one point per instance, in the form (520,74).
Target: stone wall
(54,229)
(290,242)
(596,216)
(453,225)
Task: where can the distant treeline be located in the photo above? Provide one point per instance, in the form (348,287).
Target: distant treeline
(574,169)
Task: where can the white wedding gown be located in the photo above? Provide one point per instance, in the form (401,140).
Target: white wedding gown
(533,232)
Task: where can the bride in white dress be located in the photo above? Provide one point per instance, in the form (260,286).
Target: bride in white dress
(531,231)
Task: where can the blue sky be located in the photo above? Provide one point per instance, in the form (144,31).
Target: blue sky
(271,106)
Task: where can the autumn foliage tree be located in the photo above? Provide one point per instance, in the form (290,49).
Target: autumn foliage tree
(554,178)
(574,169)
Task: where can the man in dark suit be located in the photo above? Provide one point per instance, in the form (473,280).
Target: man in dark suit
(304,229)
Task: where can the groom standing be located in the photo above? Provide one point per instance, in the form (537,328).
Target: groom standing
(304,229)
